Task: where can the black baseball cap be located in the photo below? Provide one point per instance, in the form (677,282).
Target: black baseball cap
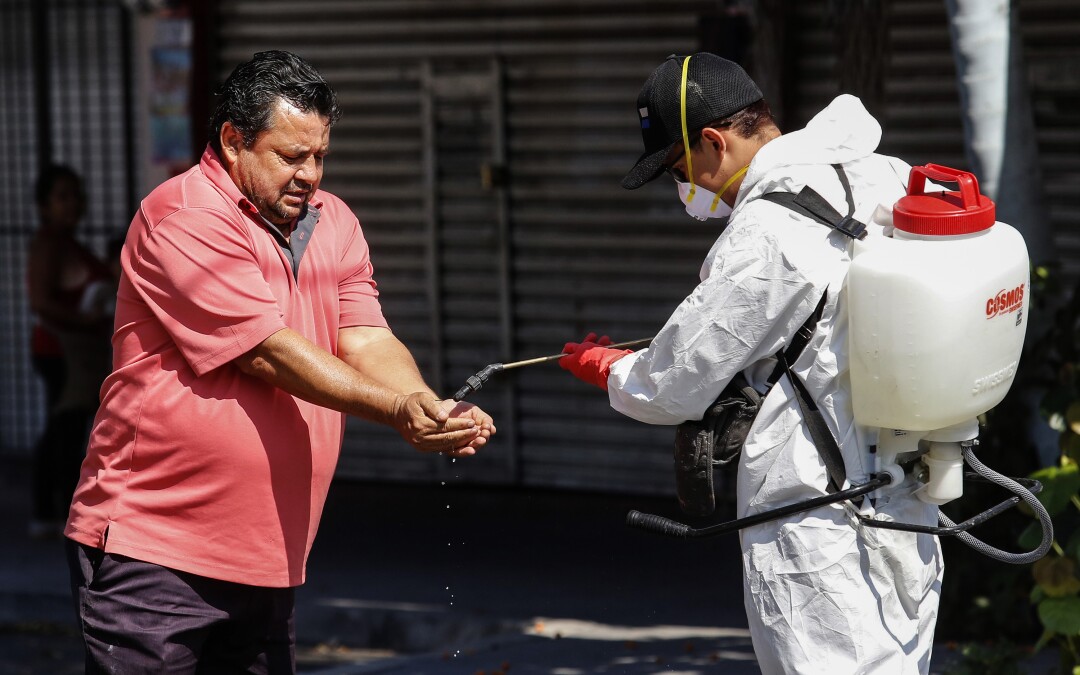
(715,89)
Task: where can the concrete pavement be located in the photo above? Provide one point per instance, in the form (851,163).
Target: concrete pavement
(452,579)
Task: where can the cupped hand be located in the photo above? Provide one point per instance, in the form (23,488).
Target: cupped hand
(483,421)
(429,424)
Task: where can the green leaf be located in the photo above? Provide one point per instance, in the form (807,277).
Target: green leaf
(1037,594)
(1072,548)
(1070,449)
(1056,576)
(1044,639)
(1061,615)
(1072,416)
(1060,484)
(1069,442)
(1031,537)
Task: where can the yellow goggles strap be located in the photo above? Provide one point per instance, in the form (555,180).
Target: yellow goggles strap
(686,146)
(734,177)
(685,136)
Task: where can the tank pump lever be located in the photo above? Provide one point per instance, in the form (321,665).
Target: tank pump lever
(477,381)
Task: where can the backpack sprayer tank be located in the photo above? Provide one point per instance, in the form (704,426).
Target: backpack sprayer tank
(936,321)
(937,316)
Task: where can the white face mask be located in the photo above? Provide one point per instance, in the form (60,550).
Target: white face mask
(704,204)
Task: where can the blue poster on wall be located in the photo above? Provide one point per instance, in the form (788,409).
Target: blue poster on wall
(170,83)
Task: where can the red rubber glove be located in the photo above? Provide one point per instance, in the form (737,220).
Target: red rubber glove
(590,360)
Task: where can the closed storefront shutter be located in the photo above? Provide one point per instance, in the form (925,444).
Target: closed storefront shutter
(921,117)
(1050,30)
(64,71)
(482,148)
(919,109)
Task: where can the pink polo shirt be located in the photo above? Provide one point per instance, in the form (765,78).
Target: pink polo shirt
(193,464)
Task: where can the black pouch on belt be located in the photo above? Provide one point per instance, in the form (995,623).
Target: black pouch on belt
(702,446)
(716,440)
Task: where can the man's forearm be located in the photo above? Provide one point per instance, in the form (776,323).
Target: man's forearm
(398,398)
(384,359)
(292,363)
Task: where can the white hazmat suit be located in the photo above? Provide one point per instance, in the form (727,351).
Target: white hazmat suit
(822,593)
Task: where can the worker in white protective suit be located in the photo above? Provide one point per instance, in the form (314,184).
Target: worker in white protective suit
(822,594)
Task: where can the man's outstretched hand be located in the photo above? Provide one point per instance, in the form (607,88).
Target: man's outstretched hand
(433,425)
(590,360)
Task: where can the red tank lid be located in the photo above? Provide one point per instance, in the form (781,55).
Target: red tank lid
(943,213)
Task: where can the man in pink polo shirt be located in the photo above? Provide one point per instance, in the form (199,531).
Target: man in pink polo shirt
(247,327)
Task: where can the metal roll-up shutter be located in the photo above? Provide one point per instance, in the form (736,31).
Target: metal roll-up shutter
(482,148)
(65,74)
(922,119)
(1050,30)
(21,414)
(920,109)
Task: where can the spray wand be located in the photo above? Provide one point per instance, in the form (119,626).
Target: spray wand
(476,382)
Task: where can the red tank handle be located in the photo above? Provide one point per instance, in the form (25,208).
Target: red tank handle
(965,180)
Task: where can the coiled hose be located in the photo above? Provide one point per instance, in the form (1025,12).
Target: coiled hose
(1025,495)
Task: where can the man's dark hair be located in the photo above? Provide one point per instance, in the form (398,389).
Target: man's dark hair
(746,123)
(49,177)
(247,98)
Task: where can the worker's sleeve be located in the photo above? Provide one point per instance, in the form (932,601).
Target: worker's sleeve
(750,301)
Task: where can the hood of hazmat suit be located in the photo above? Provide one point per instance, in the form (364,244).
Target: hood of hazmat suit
(821,593)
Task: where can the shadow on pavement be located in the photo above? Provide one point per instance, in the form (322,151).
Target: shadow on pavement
(441,579)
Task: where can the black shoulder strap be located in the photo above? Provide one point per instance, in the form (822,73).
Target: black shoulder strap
(799,340)
(812,205)
(802,336)
(823,439)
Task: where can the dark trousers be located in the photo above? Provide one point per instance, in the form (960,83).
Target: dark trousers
(137,617)
(53,482)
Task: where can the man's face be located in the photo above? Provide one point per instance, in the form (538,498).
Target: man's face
(707,153)
(283,167)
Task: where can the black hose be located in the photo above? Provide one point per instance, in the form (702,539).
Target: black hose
(672,528)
